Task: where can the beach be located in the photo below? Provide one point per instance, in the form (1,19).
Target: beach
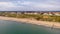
(32,21)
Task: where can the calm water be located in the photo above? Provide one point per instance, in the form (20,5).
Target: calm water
(12,27)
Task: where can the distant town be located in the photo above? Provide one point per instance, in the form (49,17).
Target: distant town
(57,13)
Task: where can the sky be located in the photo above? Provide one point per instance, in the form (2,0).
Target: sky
(29,5)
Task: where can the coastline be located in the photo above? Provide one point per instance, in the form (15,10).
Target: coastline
(33,21)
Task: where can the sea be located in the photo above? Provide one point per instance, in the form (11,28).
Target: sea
(13,27)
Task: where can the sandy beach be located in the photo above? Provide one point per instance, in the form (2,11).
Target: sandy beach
(33,21)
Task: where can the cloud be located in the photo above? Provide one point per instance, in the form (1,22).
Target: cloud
(25,5)
(6,4)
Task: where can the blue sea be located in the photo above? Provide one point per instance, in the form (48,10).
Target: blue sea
(13,27)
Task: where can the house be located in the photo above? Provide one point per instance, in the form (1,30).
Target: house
(45,14)
(57,14)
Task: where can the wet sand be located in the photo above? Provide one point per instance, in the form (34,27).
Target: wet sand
(33,21)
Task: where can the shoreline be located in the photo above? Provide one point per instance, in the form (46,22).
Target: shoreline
(33,21)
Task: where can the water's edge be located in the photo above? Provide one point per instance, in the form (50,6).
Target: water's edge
(43,23)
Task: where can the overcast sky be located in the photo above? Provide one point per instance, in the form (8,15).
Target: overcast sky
(29,5)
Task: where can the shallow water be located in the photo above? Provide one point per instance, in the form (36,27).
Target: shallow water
(13,27)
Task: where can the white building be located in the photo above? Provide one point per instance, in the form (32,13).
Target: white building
(57,14)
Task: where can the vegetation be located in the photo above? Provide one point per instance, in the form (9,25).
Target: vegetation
(35,16)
